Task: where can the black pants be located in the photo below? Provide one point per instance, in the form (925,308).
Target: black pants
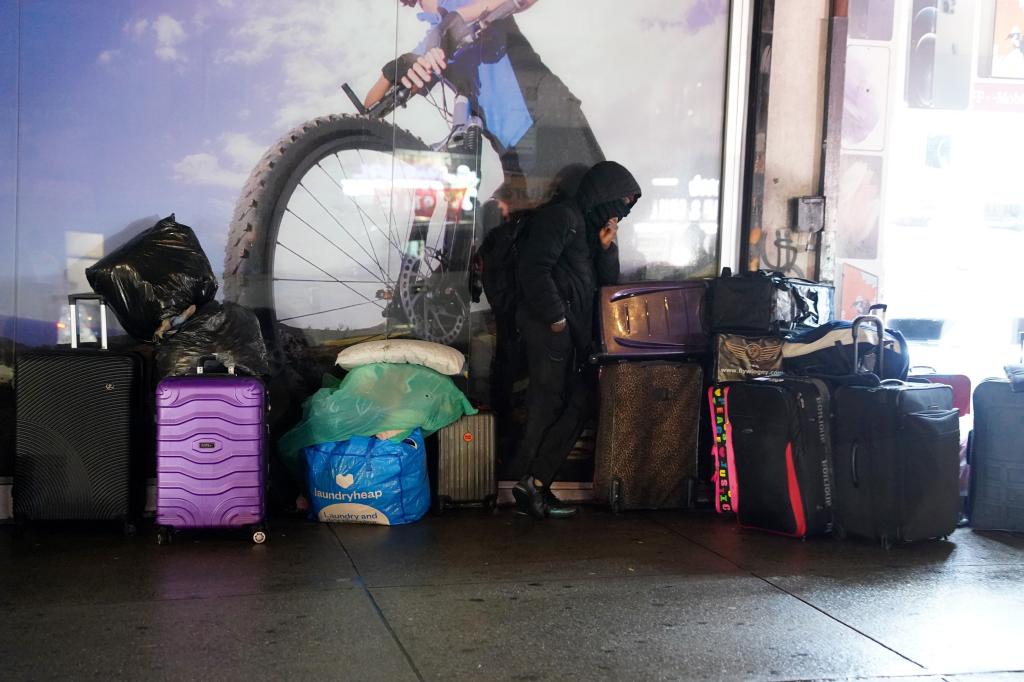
(557,400)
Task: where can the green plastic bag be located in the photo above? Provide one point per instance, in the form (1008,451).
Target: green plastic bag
(372,399)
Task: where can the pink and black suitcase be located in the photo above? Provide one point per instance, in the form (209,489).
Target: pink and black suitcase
(727,492)
(211,461)
(779,438)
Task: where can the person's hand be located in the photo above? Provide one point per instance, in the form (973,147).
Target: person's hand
(559,327)
(424,69)
(608,232)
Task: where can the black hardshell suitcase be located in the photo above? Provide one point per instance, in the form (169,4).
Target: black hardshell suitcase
(782,450)
(77,418)
(997,458)
(897,459)
(647,434)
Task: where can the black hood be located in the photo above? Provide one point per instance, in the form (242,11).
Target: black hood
(605,182)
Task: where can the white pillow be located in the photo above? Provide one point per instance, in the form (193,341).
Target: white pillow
(433,355)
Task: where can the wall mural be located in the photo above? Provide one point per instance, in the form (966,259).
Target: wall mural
(334,222)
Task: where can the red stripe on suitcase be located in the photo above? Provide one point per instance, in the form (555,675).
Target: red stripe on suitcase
(795,501)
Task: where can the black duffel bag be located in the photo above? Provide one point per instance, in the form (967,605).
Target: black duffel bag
(764,303)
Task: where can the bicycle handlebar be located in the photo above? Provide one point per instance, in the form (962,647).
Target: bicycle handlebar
(398,95)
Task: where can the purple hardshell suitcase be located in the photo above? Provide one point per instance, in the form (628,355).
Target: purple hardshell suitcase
(211,463)
(653,320)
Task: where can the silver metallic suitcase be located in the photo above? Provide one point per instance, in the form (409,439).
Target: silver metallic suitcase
(465,463)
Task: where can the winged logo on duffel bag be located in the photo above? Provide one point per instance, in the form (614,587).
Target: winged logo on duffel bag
(757,352)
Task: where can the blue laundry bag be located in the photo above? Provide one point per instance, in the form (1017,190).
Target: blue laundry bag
(366,480)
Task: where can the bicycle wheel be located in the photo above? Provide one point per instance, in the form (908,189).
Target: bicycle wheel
(344,230)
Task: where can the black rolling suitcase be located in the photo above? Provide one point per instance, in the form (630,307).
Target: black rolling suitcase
(897,459)
(779,429)
(77,418)
(996,456)
(647,434)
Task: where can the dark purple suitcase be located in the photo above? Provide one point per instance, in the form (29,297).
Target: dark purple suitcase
(653,320)
(211,463)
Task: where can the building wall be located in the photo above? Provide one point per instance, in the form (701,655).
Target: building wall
(794,133)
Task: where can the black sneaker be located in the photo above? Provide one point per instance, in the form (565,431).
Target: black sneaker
(556,508)
(529,500)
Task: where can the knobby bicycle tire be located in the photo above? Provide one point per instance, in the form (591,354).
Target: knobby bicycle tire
(256,220)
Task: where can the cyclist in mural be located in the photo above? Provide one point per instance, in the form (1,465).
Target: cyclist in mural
(532,120)
(565,252)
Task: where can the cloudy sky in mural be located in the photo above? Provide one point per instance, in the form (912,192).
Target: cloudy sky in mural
(130,109)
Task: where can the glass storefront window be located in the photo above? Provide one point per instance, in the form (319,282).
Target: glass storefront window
(934,104)
(332,224)
(369,227)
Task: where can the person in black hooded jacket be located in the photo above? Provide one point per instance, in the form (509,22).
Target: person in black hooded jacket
(565,252)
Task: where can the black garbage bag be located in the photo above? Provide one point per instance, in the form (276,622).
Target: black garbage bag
(225,331)
(155,277)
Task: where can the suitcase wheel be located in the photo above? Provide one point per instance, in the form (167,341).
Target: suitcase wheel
(259,535)
(491,503)
(838,532)
(130,530)
(163,536)
(615,496)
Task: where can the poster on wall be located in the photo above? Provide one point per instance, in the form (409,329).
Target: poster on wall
(871,19)
(1007,41)
(865,95)
(860,203)
(859,292)
(338,217)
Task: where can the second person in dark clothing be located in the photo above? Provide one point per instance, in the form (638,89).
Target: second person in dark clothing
(566,251)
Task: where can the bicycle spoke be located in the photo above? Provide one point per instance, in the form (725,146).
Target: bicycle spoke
(366,230)
(322,312)
(333,278)
(345,230)
(327,281)
(328,240)
(412,221)
(388,215)
(363,215)
(438,313)
(440,324)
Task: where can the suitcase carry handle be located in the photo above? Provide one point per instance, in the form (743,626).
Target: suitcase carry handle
(879,326)
(853,464)
(203,359)
(73,301)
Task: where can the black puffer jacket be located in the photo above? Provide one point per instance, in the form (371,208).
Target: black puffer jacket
(560,260)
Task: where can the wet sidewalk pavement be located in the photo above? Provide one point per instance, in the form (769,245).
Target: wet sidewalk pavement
(469,595)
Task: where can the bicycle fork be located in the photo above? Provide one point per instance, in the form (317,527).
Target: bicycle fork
(467,131)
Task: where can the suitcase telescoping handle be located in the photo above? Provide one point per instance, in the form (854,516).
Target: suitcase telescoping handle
(73,301)
(203,359)
(879,326)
